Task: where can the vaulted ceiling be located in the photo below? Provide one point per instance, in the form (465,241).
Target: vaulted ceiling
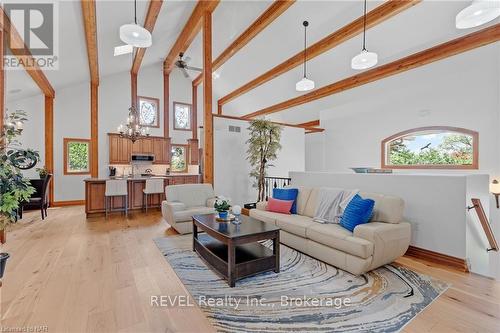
(422,26)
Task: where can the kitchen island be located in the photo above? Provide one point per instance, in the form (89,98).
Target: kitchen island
(96,187)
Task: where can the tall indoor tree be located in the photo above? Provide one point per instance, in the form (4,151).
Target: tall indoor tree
(263,147)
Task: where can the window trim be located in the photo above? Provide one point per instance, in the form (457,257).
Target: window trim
(186,149)
(475,149)
(190,117)
(155,101)
(66,141)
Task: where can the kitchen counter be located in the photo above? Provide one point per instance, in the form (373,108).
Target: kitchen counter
(96,187)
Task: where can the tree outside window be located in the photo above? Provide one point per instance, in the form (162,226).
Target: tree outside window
(431,148)
(178,161)
(76,156)
(182,116)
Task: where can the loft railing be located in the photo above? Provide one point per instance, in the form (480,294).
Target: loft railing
(483,219)
(271,183)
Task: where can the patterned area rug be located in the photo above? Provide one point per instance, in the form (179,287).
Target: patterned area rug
(306,296)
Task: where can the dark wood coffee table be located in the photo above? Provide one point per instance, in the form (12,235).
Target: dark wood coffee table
(233,251)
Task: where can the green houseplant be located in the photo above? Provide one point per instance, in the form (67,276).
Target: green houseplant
(14,187)
(42,172)
(222,206)
(263,147)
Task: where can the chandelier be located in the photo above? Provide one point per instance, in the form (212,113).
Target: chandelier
(133,130)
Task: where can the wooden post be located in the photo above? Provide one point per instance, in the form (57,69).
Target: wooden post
(94,134)
(166,104)
(194,110)
(49,142)
(2,79)
(133,87)
(208,150)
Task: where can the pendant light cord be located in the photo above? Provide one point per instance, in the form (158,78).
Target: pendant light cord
(364,28)
(305,23)
(135,11)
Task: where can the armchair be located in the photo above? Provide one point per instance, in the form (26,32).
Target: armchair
(184,201)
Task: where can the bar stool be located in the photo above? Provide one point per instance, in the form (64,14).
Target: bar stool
(116,188)
(153,186)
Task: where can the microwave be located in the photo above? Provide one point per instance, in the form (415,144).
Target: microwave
(142,158)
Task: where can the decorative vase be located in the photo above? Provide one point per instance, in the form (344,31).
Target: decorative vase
(223,215)
(3,262)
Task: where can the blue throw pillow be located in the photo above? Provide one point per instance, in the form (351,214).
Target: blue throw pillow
(358,211)
(287,194)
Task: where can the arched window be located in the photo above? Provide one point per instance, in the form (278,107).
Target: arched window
(434,147)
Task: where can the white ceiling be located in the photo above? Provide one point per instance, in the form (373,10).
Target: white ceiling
(418,28)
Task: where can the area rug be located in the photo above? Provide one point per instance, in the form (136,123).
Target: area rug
(306,296)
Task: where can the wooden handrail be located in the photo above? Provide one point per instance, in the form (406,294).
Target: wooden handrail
(476,203)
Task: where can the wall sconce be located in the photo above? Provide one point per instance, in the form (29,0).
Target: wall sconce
(495,190)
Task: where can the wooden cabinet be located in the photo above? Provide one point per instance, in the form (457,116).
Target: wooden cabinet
(119,150)
(95,199)
(161,150)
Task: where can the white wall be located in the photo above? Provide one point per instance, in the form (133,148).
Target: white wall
(460,91)
(232,168)
(32,136)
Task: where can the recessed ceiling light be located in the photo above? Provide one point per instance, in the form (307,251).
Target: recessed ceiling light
(15,91)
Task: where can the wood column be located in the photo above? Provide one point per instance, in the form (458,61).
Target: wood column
(133,88)
(194,110)
(94,134)
(2,79)
(49,142)
(166,104)
(208,149)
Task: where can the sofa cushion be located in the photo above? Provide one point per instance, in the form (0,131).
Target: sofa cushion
(337,237)
(192,195)
(287,194)
(302,198)
(294,224)
(358,211)
(279,206)
(187,215)
(387,208)
(264,215)
(312,203)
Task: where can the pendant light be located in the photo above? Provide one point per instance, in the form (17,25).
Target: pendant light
(365,59)
(305,84)
(477,13)
(135,35)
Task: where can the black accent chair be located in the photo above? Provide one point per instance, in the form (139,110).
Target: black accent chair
(39,199)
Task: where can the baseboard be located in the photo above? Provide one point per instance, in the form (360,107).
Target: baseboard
(67,203)
(439,258)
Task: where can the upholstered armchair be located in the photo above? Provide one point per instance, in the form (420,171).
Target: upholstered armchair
(184,201)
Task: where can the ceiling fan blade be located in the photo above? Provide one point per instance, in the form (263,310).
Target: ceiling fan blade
(184,71)
(123,49)
(194,68)
(187,59)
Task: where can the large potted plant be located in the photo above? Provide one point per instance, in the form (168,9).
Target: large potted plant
(14,187)
(263,147)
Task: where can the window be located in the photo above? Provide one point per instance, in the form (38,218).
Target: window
(76,156)
(435,147)
(148,111)
(182,116)
(178,162)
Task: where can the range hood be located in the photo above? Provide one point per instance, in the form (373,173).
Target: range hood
(142,158)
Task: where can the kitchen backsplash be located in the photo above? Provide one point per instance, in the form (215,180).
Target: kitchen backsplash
(156,169)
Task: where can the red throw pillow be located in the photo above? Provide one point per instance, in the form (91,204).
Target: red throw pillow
(279,206)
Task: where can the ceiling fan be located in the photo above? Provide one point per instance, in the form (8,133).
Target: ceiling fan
(184,67)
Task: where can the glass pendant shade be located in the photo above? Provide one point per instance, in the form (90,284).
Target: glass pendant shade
(135,35)
(364,60)
(478,13)
(304,85)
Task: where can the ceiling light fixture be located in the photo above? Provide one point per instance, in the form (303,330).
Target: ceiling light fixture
(305,84)
(135,35)
(364,59)
(477,13)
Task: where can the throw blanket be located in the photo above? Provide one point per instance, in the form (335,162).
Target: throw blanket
(332,202)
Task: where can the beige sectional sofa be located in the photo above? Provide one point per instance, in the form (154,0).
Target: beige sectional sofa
(371,245)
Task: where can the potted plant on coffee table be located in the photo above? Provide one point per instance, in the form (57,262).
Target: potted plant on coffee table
(222,207)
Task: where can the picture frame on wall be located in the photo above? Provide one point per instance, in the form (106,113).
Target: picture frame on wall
(149,113)
(182,116)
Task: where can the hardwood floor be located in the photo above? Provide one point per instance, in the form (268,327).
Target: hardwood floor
(75,275)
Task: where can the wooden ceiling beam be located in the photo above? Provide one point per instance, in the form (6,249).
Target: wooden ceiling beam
(149,24)
(90,25)
(189,32)
(373,18)
(312,129)
(456,46)
(24,56)
(312,123)
(277,8)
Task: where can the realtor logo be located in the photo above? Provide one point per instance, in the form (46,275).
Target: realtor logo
(33,32)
